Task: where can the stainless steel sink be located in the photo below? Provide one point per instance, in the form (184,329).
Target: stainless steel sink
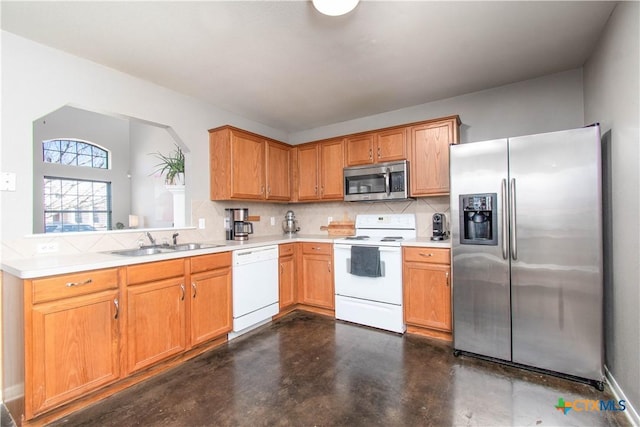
(142,251)
(162,249)
(193,246)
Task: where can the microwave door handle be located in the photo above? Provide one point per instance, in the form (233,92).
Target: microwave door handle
(387,182)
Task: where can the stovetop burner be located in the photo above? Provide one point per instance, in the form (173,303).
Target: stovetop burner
(357,238)
(391,239)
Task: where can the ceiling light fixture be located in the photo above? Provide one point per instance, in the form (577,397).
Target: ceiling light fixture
(335,7)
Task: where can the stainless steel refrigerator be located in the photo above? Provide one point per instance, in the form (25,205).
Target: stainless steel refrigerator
(526,228)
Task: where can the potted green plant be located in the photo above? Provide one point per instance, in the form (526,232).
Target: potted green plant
(172,166)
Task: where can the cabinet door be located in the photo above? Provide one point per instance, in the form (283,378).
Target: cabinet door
(278,172)
(308,172)
(430,158)
(287,281)
(317,281)
(75,348)
(247,166)
(427,294)
(211,314)
(391,145)
(359,150)
(331,166)
(156,322)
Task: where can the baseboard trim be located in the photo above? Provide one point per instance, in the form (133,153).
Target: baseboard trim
(631,412)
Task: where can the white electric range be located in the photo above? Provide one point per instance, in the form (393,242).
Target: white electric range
(371,296)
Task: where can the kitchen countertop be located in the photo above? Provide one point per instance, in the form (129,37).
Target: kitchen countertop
(49,265)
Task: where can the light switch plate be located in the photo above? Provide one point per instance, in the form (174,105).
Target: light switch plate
(201,223)
(8,181)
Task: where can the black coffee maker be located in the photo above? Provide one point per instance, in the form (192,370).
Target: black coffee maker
(440,231)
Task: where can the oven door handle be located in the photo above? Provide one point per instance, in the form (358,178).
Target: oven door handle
(387,182)
(381,248)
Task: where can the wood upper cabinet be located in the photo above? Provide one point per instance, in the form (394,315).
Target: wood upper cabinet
(308,172)
(278,169)
(391,145)
(156,296)
(429,161)
(427,289)
(210,296)
(287,275)
(376,147)
(331,166)
(317,285)
(359,149)
(246,166)
(73,344)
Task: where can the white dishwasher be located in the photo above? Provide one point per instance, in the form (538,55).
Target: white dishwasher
(255,288)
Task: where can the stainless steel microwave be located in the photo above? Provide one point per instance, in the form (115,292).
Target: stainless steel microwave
(379,182)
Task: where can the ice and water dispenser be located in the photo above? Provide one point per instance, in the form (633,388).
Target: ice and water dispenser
(478,219)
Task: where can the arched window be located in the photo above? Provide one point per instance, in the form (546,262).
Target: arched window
(73,202)
(74,152)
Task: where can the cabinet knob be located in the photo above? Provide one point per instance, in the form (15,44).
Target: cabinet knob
(370,154)
(379,153)
(425,255)
(315,189)
(329,266)
(182,291)
(446,274)
(195,289)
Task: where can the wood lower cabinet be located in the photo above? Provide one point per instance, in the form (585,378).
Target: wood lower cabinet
(287,275)
(316,276)
(429,161)
(427,291)
(210,295)
(156,294)
(72,338)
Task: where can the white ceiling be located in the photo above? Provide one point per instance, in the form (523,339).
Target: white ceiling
(283,64)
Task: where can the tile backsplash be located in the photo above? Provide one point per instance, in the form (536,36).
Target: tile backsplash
(310,216)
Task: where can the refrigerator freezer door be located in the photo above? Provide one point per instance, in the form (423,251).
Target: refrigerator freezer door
(556,270)
(481,295)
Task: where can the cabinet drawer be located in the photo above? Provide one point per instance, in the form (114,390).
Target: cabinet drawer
(152,271)
(287,249)
(210,262)
(71,285)
(430,255)
(316,248)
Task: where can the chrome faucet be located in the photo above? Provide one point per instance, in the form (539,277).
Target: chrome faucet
(151,239)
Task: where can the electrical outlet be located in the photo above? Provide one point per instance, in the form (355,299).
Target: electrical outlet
(329,219)
(273,220)
(47,248)
(201,223)
(8,181)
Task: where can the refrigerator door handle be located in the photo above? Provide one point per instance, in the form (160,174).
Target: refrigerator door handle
(512,214)
(505,220)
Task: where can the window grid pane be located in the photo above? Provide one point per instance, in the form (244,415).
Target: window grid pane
(76,205)
(74,153)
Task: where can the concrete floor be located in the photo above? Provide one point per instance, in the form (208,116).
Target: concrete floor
(310,370)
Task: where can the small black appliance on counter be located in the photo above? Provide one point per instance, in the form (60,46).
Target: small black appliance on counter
(440,231)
